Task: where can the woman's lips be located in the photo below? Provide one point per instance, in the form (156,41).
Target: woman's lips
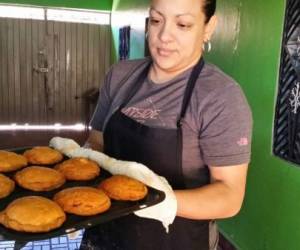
(164,52)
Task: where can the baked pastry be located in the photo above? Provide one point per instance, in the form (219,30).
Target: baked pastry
(10,161)
(34,214)
(79,169)
(43,155)
(83,201)
(39,178)
(6,186)
(121,187)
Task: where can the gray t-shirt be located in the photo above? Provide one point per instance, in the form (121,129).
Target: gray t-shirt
(217,125)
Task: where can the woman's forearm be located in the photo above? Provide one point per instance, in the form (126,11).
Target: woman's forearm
(222,198)
(212,201)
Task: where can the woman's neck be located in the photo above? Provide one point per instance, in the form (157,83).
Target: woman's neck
(159,75)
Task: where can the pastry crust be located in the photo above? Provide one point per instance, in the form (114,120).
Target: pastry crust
(121,187)
(34,214)
(84,201)
(10,161)
(79,169)
(6,186)
(43,155)
(38,178)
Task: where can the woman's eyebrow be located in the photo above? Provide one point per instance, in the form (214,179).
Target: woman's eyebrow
(178,15)
(185,14)
(153,9)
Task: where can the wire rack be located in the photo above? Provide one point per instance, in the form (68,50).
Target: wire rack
(58,243)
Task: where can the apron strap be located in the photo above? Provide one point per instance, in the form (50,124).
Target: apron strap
(189,89)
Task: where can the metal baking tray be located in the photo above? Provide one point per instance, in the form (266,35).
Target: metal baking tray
(74,222)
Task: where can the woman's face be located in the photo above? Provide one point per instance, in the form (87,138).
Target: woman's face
(176,33)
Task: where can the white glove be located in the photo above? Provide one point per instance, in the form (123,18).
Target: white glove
(65,146)
(164,211)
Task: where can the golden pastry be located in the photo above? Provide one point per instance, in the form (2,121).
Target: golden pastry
(83,201)
(121,187)
(43,155)
(79,169)
(34,214)
(10,161)
(39,178)
(6,186)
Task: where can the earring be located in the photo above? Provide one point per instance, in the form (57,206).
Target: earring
(146,35)
(206,46)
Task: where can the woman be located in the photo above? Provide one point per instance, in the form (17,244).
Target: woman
(185,120)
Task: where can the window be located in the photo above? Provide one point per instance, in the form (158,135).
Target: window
(286,141)
(62,15)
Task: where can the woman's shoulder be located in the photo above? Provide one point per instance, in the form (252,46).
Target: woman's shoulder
(214,78)
(121,73)
(215,86)
(125,66)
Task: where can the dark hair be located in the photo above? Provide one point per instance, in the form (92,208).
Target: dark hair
(209,9)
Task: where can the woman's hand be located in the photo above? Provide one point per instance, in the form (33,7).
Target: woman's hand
(95,140)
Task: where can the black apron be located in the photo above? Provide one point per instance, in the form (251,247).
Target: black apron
(159,149)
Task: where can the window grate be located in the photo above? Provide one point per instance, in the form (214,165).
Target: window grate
(58,243)
(286,143)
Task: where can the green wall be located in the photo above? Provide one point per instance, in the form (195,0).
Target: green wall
(81,4)
(246,45)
